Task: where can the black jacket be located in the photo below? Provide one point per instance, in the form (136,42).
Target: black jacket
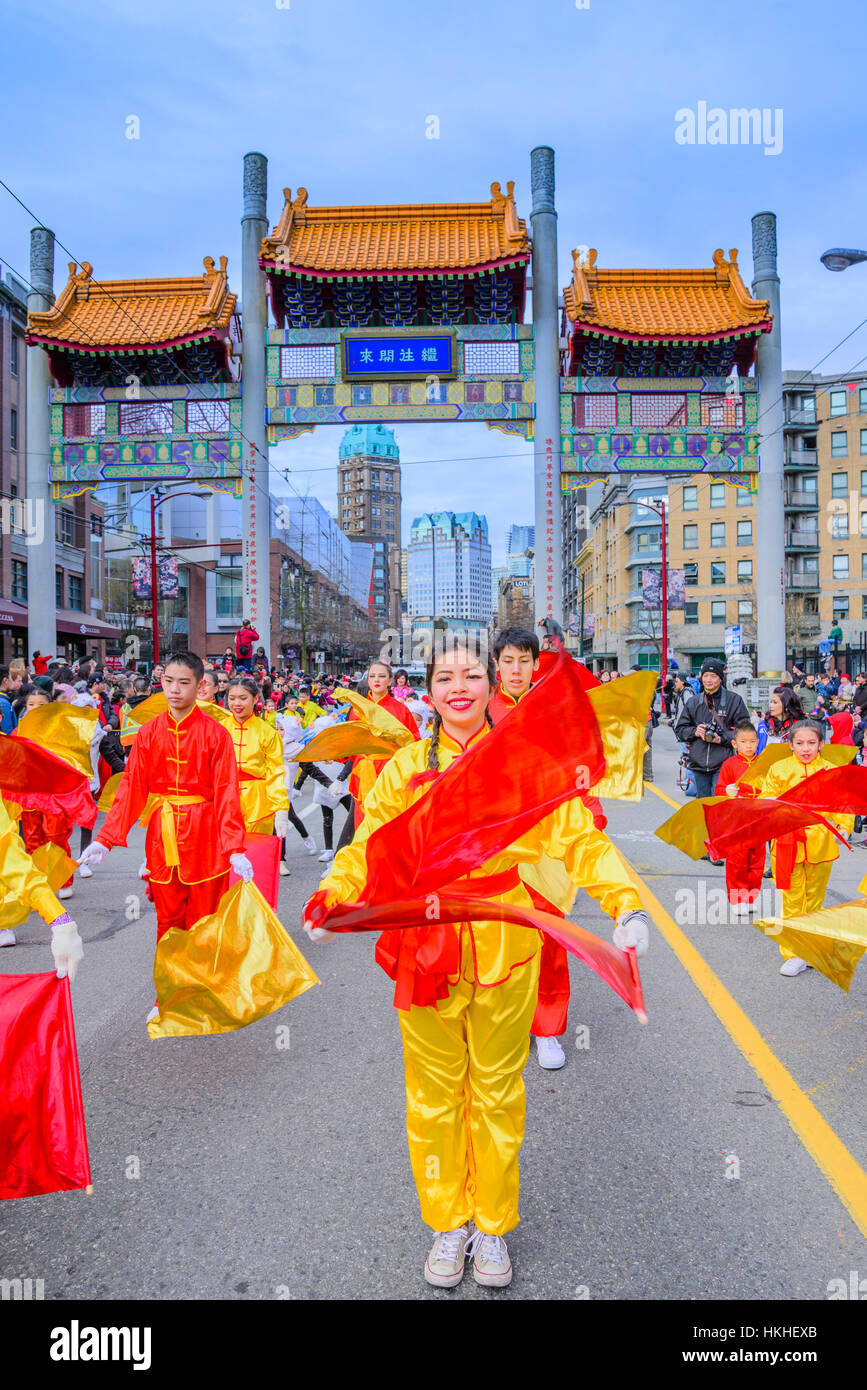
(726,708)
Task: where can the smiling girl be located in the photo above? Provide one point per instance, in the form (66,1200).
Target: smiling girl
(464,1054)
(259,756)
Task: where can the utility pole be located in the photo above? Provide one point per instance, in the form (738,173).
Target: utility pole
(581,638)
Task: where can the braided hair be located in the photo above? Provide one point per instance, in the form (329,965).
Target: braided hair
(433,752)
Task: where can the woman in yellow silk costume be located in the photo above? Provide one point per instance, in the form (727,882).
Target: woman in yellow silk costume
(802,860)
(465,1054)
(259,755)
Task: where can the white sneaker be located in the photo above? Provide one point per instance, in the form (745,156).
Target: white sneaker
(310,844)
(326,856)
(793,966)
(741,909)
(284,869)
(7,937)
(550,1054)
(64,893)
(85,871)
(154,1013)
(491,1264)
(445,1263)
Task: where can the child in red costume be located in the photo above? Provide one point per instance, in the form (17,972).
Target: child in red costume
(516,652)
(744,866)
(182,780)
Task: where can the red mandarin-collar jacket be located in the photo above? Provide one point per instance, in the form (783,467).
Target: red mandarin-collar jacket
(192,756)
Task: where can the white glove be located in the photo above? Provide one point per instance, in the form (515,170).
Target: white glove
(732,789)
(143,870)
(318,933)
(66,946)
(633,930)
(338,789)
(281,823)
(294,794)
(94,854)
(242,867)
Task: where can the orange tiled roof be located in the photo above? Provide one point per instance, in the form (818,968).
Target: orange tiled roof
(398,239)
(663,303)
(91,314)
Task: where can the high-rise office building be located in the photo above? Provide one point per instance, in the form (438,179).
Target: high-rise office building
(449,569)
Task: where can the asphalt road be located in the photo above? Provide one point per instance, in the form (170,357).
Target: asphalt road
(234,1167)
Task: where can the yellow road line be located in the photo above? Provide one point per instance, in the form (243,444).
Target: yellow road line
(649,786)
(840,1168)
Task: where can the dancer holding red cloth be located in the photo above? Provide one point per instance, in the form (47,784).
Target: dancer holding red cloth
(802,860)
(181,779)
(467,990)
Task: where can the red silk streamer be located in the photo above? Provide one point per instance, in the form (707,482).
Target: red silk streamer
(25,767)
(43,1143)
(490,796)
(617,968)
(752,821)
(526,767)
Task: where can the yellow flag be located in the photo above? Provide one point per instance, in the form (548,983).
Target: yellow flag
(64,730)
(377,719)
(148,709)
(53,861)
(109,792)
(341,741)
(832,940)
(228,970)
(687,828)
(622,710)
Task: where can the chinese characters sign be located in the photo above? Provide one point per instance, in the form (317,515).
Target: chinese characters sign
(398,355)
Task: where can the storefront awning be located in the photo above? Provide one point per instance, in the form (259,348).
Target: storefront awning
(80,625)
(12,614)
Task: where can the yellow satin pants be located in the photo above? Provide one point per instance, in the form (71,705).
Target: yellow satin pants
(806,894)
(465,1099)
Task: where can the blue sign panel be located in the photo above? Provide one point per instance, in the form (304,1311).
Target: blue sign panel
(398,355)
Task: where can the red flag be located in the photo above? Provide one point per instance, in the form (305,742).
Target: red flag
(263,852)
(40,781)
(43,1143)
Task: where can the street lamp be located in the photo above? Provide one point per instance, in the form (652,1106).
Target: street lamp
(840,258)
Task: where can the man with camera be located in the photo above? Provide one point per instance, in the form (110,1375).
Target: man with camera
(706,725)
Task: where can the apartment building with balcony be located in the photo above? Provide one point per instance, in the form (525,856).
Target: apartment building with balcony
(825,429)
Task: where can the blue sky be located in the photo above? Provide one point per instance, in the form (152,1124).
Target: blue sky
(337,93)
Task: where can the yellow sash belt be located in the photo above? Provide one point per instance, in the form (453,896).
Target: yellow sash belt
(167,822)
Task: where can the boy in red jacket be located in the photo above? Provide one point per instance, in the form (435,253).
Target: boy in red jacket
(744,866)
